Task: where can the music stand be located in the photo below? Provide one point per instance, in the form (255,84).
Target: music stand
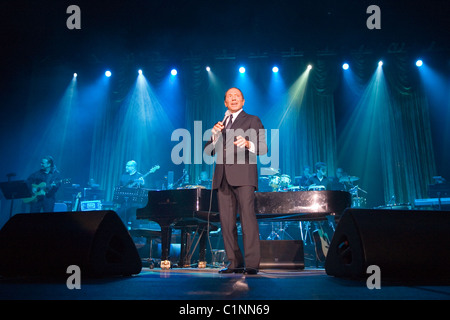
(15,190)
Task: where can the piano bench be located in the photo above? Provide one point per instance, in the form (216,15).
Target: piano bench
(145,233)
(149,235)
(193,225)
(208,216)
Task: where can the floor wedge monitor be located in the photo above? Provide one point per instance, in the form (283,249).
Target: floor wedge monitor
(282,254)
(412,244)
(48,243)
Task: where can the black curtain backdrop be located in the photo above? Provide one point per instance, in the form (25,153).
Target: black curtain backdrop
(376,128)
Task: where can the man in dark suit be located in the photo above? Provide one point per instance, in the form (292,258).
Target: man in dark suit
(237,141)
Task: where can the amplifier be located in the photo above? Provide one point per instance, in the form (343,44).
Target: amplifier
(91,205)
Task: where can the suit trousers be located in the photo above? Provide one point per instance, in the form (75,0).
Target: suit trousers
(231,200)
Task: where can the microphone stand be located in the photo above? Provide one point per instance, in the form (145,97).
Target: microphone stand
(178,183)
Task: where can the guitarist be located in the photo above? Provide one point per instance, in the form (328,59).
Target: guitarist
(44,184)
(131,178)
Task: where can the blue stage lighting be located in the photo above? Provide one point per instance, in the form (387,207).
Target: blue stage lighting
(275,69)
(380,63)
(419,63)
(345,66)
(75,75)
(140,71)
(108,73)
(174,72)
(208,68)
(242,70)
(309,67)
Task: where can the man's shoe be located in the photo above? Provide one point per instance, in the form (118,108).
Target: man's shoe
(251,271)
(226,270)
(231,270)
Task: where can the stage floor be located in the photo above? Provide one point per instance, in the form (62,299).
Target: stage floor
(207,284)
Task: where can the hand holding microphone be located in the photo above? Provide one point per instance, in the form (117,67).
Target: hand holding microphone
(239,141)
(218,127)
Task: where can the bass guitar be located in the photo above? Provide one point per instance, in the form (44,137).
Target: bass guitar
(136,182)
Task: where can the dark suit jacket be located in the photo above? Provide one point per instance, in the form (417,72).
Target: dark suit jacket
(238,164)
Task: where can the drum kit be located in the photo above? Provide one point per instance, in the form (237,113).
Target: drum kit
(357,200)
(275,181)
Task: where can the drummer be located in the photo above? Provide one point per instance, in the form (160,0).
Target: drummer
(302,182)
(204,180)
(338,182)
(319,180)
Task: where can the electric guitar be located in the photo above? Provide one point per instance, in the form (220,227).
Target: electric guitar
(135,183)
(39,190)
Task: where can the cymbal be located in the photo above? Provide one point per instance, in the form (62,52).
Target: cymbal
(269,171)
(348,179)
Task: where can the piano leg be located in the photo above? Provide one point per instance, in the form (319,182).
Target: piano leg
(166,234)
(203,237)
(184,262)
(202,249)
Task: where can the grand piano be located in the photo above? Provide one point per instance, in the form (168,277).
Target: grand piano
(198,206)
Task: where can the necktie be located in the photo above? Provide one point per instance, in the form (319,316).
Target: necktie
(230,122)
(227,126)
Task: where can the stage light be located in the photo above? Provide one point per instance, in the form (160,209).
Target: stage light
(309,67)
(242,70)
(345,66)
(108,73)
(208,68)
(275,69)
(380,63)
(140,71)
(75,75)
(419,63)
(174,72)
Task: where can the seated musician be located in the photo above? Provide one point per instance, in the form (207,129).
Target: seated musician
(131,178)
(319,180)
(44,184)
(204,180)
(336,183)
(303,181)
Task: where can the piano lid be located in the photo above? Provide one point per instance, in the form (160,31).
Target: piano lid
(176,204)
(281,203)
(184,203)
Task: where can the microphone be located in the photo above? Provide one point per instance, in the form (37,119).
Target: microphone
(227,114)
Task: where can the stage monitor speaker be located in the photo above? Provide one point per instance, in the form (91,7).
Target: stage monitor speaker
(45,244)
(282,254)
(404,244)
